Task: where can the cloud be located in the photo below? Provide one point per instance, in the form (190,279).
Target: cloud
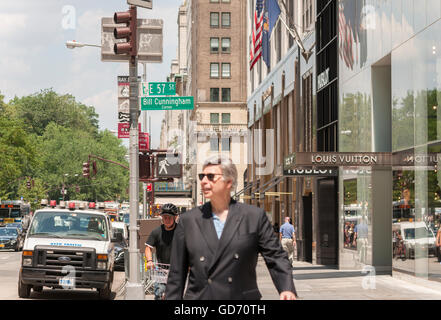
(105,103)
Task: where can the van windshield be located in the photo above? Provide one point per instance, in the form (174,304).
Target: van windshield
(417,233)
(69,225)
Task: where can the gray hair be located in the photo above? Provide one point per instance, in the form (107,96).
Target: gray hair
(229,170)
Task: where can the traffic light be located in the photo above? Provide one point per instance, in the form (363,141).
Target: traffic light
(94,168)
(149,187)
(128,32)
(28,184)
(86,169)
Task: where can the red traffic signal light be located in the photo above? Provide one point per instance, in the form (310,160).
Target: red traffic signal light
(149,187)
(86,170)
(128,32)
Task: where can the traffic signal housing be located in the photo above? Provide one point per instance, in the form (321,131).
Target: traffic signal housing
(128,32)
(94,168)
(86,169)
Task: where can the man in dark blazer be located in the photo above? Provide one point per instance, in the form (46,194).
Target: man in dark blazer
(217,245)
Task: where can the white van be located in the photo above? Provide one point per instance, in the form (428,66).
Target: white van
(68,248)
(415,234)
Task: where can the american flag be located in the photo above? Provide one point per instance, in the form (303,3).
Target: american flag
(256,46)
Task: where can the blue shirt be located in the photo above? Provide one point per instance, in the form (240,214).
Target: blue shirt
(218,225)
(287,230)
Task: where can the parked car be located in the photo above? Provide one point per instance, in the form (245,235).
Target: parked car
(19,226)
(417,237)
(10,238)
(122,228)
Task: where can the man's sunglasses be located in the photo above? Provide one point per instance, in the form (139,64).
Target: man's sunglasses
(210,176)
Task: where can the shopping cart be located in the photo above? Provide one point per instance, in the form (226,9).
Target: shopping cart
(160,273)
(157,274)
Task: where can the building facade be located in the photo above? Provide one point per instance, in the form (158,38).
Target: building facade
(216,65)
(389,77)
(372,84)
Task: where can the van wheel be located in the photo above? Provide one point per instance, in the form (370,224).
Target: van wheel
(37,289)
(105,292)
(24,290)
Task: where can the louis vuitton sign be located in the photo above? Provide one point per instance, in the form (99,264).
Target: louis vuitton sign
(357,159)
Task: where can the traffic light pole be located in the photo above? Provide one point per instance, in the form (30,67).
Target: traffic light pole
(134,288)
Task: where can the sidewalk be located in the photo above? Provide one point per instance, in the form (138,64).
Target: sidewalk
(315,282)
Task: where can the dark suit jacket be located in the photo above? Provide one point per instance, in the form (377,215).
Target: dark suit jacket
(225,268)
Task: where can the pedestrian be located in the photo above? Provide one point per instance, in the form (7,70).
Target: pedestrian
(161,239)
(287,238)
(217,244)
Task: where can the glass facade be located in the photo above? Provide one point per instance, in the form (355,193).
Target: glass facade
(389,100)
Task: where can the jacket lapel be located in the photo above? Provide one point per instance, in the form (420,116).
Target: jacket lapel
(233,220)
(205,223)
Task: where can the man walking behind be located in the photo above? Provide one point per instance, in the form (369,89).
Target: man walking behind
(288,238)
(161,239)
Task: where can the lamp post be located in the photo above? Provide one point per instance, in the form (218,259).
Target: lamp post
(74,44)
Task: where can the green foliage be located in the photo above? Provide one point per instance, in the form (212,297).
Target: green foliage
(40,109)
(47,137)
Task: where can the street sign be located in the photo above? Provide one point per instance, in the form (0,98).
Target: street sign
(124,99)
(168,166)
(141,3)
(160,88)
(149,40)
(167,103)
(143,141)
(124,130)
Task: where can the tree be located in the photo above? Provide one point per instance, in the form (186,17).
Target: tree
(40,109)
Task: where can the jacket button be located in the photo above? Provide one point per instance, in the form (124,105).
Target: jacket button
(202,259)
(236,256)
(230,279)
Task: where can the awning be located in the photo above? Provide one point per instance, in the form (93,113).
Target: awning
(271,183)
(248,187)
(179,202)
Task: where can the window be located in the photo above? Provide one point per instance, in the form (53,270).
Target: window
(226,1)
(214,118)
(226,44)
(214,144)
(214,94)
(307,14)
(226,94)
(214,70)
(226,19)
(214,1)
(226,117)
(214,19)
(214,45)
(226,70)
(226,144)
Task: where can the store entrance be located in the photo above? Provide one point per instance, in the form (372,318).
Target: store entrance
(327,224)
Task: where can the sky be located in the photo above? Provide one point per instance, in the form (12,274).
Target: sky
(34,56)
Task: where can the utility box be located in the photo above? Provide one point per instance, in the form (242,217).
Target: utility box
(146,226)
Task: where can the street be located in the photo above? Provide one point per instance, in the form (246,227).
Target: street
(313,282)
(9,269)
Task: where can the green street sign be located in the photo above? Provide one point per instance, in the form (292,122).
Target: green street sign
(167,103)
(160,88)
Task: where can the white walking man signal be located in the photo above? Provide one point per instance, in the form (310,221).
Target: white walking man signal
(163,164)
